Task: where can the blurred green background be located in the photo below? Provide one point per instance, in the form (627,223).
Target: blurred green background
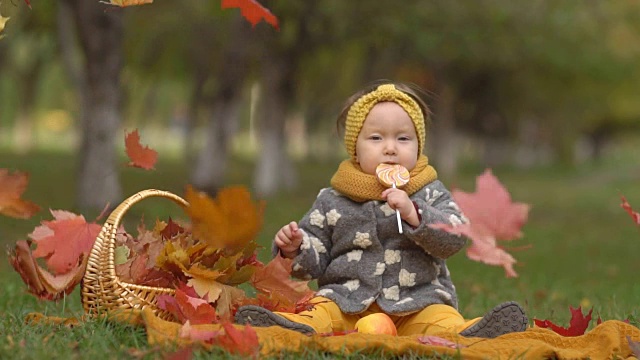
(544,93)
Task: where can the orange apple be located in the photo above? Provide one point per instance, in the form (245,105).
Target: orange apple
(378,323)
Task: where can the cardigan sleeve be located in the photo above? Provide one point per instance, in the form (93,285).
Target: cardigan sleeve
(435,205)
(315,250)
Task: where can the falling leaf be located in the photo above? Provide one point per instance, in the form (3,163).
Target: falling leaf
(634,346)
(252,11)
(40,282)
(230,221)
(188,308)
(64,241)
(12,186)
(141,157)
(627,207)
(3,20)
(577,325)
(492,216)
(125,3)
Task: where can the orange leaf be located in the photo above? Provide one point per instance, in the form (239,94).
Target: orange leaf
(275,277)
(39,282)
(11,189)
(230,221)
(142,157)
(252,11)
(125,3)
(64,241)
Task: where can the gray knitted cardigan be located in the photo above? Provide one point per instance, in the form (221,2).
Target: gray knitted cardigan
(358,256)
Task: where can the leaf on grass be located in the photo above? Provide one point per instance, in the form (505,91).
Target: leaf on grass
(125,3)
(12,186)
(634,346)
(187,308)
(577,325)
(64,241)
(230,221)
(438,341)
(141,157)
(492,216)
(252,11)
(627,207)
(40,282)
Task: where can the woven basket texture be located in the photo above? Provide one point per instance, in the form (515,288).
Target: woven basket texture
(102,290)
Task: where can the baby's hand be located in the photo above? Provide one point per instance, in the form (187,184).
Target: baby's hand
(399,200)
(288,239)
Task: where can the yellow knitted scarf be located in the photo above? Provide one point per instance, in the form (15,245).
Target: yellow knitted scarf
(350,180)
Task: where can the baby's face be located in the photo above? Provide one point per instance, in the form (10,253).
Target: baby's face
(387,136)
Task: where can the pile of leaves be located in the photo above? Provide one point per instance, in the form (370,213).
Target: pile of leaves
(205,260)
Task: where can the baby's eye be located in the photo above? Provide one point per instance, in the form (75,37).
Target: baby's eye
(404,138)
(375,137)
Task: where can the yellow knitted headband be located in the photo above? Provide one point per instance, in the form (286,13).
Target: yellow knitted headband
(361,107)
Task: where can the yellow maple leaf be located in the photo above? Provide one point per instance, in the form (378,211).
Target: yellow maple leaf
(204,282)
(230,221)
(228,297)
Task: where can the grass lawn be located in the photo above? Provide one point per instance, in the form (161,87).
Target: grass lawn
(583,248)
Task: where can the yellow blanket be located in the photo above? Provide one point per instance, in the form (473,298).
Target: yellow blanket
(606,341)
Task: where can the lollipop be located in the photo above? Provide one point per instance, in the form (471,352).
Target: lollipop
(395,176)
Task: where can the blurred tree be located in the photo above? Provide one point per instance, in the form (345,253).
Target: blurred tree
(100,34)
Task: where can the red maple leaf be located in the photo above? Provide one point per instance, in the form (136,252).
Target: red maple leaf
(64,241)
(627,207)
(577,325)
(188,308)
(252,11)
(11,188)
(141,157)
(242,342)
(492,216)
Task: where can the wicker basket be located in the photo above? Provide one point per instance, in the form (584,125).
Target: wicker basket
(102,290)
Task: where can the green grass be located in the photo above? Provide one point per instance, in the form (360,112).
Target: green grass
(584,248)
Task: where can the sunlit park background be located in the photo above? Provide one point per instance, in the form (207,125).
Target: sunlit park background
(545,93)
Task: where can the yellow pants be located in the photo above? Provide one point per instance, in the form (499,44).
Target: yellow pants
(326,317)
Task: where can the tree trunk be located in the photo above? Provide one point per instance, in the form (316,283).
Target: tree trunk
(100,33)
(274,169)
(210,169)
(211,164)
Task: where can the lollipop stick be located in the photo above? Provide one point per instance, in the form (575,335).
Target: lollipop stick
(398,216)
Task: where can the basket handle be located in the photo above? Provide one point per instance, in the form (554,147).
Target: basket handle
(113,221)
(118,212)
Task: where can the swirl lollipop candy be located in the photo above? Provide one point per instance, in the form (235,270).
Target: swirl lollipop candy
(395,176)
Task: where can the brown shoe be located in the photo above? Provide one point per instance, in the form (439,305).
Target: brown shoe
(503,319)
(261,317)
